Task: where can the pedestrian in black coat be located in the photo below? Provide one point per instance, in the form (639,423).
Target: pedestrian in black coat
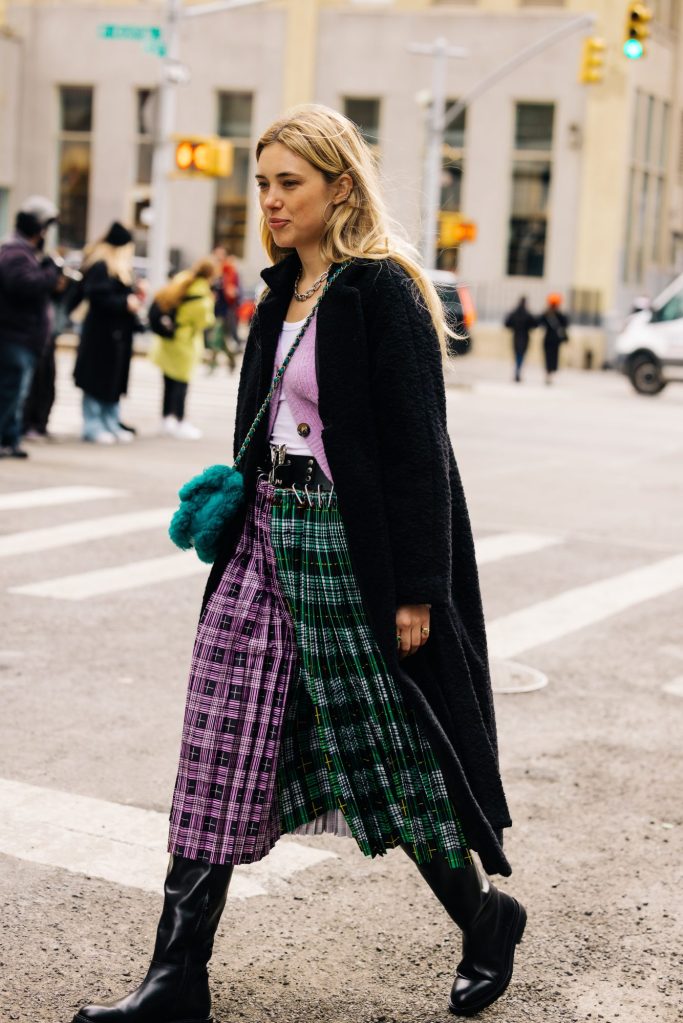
(555,323)
(345,591)
(28,279)
(106,344)
(521,322)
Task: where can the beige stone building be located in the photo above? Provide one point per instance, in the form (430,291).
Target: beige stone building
(573,188)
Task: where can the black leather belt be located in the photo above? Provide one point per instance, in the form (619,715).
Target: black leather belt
(285,470)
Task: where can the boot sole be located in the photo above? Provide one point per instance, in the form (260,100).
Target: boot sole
(517,930)
(207,1019)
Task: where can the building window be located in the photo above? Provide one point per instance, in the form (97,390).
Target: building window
(531,180)
(365,113)
(230,213)
(74,158)
(145,128)
(643,236)
(451,185)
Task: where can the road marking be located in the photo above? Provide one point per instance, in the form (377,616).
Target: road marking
(575,609)
(125,845)
(674,687)
(174,566)
(114,580)
(32,540)
(47,496)
(506,545)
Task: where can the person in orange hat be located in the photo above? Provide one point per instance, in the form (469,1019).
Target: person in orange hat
(555,323)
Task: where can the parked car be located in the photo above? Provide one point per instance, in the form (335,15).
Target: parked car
(458,308)
(649,349)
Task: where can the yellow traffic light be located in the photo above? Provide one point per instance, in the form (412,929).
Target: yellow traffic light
(205,155)
(638,18)
(454,230)
(592,61)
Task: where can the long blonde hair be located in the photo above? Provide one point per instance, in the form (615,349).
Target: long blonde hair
(172,294)
(118,259)
(359,227)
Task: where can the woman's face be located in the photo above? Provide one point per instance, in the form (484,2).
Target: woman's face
(295,197)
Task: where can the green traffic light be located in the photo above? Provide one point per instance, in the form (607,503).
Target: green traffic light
(633,49)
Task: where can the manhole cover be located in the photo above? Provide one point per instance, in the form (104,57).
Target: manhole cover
(513,677)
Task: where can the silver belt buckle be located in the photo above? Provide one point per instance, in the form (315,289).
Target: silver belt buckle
(278,456)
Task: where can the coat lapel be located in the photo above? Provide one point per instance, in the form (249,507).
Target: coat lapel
(271,312)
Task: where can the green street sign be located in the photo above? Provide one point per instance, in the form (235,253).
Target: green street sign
(130,33)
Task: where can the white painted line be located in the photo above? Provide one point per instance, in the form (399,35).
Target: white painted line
(47,496)
(506,545)
(32,540)
(125,845)
(575,609)
(674,687)
(114,580)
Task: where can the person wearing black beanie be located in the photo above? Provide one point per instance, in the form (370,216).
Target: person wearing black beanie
(106,345)
(117,236)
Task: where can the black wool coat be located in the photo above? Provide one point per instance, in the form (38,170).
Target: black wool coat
(106,345)
(383,406)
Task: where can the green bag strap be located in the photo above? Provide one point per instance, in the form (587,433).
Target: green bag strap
(288,358)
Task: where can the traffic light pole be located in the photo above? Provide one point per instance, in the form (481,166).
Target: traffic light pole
(440,52)
(172,74)
(161,158)
(438,118)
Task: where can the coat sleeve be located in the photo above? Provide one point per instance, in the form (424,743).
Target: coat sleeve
(410,418)
(100,290)
(26,279)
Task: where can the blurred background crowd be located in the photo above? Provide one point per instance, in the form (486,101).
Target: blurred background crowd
(532,150)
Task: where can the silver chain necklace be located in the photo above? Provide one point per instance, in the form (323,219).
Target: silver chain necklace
(303,296)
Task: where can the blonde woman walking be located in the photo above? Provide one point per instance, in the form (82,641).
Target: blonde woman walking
(339,679)
(106,345)
(187,304)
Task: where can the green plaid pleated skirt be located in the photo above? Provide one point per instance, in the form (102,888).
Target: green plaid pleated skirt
(293,716)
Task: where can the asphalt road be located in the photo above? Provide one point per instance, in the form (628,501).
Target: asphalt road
(576,495)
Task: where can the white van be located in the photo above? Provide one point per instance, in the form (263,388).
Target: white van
(649,350)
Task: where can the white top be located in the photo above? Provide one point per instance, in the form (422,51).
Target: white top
(284,428)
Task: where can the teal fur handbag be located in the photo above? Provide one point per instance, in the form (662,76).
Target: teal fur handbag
(210,500)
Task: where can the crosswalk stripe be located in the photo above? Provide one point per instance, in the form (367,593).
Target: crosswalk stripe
(125,845)
(47,496)
(114,580)
(506,545)
(586,605)
(51,537)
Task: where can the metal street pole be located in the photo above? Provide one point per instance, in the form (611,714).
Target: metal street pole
(440,52)
(172,74)
(577,25)
(161,158)
(439,118)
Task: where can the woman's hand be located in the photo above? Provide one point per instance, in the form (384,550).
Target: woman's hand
(412,628)
(133,303)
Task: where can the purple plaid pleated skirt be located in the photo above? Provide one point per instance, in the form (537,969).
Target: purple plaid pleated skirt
(224,807)
(292,721)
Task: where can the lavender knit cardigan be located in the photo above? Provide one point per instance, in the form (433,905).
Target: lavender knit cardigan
(300,386)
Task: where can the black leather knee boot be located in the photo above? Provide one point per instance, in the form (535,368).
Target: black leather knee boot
(492,924)
(176,988)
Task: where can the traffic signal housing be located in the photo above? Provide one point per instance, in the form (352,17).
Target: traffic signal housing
(592,70)
(203,155)
(454,229)
(638,18)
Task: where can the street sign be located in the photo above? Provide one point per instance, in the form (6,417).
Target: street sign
(134,33)
(149,35)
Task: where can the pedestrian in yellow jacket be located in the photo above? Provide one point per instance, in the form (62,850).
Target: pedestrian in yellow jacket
(188,300)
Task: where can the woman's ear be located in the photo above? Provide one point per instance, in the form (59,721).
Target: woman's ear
(342,191)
